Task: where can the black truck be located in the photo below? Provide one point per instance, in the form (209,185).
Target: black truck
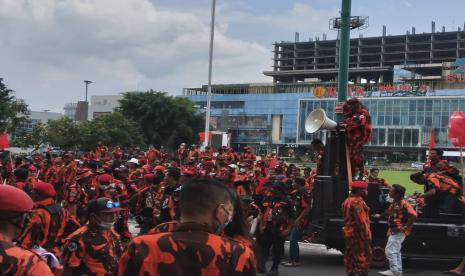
(440,237)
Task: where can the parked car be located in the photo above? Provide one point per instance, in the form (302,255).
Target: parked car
(417,165)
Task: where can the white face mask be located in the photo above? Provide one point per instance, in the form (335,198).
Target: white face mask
(222,226)
(106,225)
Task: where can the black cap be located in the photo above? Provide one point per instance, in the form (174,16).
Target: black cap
(103,205)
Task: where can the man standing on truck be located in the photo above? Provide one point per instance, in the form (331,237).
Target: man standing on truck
(400,223)
(357,233)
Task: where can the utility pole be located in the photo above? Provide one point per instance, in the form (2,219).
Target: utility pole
(210,65)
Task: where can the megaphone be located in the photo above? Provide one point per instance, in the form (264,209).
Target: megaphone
(317,120)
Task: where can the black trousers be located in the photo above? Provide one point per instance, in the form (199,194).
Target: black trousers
(268,240)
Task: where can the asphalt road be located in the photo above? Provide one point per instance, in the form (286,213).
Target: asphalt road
(317,260)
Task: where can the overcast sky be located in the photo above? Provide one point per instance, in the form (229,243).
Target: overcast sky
(48,47)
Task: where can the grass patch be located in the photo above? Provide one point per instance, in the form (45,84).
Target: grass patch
(402,178)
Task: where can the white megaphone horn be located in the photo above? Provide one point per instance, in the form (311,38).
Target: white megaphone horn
(317,120)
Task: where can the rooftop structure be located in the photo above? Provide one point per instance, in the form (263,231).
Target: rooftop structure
(371,58)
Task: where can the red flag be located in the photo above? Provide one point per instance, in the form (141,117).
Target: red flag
(456,129)
(432,142)
(202,137)
(4,143)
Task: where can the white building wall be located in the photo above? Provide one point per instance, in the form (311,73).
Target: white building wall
(103,104)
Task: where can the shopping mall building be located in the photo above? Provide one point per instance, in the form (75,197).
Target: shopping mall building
(409,83)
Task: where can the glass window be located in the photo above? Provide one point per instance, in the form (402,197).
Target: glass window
(444,121)
(381,136)
(436,121)
(428,121)
(381,106)
(395,106)
(374,137)
(407,138)
(381,120)
(388,119)
(412,105)
(411,120)
(428,105)
(395,120)
(420,105)
(391,135)
(398,137)
(415,137)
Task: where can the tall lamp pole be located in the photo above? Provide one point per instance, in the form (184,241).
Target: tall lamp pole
(343,76)
(87,82)
(210,64)
(344,24)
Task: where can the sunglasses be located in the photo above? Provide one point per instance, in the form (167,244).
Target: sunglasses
(110,204)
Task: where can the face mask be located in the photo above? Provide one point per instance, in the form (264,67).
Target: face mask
(105,225)
(222,226)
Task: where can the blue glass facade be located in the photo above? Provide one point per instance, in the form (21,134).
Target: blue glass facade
(397,121)
(252,122)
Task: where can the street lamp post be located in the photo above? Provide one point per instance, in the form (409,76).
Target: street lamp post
(210,65)
(343,75)
(87,82)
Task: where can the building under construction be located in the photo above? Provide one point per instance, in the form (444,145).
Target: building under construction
(371,58)
(410,83)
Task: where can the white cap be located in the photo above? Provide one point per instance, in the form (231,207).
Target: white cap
(134,160)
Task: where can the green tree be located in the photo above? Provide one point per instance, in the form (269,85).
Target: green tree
(64,133)
(35,139)
(112,130)
(164,120)
(13,111)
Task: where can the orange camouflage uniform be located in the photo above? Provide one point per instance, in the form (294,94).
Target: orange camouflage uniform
(92,252)
(48,227)
(191,249)
(357,234)
(15,260)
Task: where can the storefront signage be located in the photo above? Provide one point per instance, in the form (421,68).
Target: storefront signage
(381,91)
(458,75)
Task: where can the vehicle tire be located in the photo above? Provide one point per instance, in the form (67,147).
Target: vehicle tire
(378,259)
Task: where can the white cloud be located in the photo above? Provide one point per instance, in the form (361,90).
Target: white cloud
(50,46)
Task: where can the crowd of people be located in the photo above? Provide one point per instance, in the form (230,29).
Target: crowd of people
(198,212)
(215,213)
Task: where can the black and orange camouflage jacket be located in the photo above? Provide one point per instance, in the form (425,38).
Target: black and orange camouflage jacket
(92,252)
(191,249)
(15,260)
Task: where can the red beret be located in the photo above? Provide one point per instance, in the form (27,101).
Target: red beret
(32,168)
(104,178)
(359,184)
(44,189)
(14,199)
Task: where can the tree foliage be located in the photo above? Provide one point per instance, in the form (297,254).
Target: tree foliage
(112,130)
(35,139)
(164,120)
(64,133)
(12,111)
